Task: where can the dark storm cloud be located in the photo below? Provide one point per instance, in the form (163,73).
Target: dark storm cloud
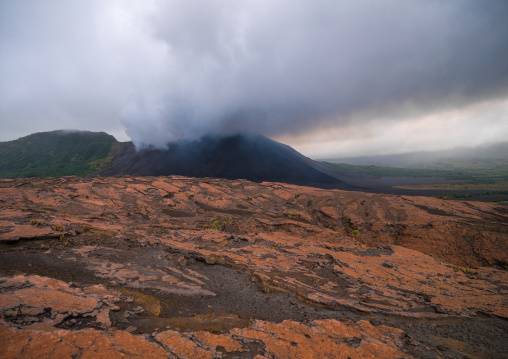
(286,66)
(175,69)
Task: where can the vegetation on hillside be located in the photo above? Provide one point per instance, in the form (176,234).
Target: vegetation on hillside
(473,174)
(486,157)
(485,179)
(371,170)
(482,168)
(57,153)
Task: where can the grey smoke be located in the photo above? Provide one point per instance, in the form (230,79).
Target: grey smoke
(283,67)
(183,69)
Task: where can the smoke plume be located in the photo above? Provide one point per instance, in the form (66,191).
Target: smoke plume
(288,66)
(169,70)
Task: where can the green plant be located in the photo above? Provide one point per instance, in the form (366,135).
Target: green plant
(472,274)
(57,228)
(346,220)
(34,222)
(220,226)
(43,246)
(356,232)
(217,226)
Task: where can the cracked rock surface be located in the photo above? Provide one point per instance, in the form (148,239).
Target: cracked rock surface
(157,267)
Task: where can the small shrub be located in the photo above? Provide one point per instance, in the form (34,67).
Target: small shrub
(57,228)
(43,246)
(356,232)
(222,225)
(472,274)
(216,225)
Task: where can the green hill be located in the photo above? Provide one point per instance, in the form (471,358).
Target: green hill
(57,153)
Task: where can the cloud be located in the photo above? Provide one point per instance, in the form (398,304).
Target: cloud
(72,64)
(167,70)
(468,126)
(286,67)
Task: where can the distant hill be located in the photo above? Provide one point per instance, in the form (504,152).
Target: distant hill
(251,157)
(479,173)
(82,153)
(57,153)
(485,157)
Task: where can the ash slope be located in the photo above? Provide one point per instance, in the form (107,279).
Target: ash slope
(251,157)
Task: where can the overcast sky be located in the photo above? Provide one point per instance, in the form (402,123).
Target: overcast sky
(331,78)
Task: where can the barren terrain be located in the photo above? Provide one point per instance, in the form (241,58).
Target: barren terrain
(157,267)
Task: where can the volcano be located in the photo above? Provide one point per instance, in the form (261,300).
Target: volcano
(244,156)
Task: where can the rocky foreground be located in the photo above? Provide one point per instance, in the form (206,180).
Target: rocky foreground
(158,267)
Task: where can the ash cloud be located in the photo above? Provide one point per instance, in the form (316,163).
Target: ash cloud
(169,70)
(284,67)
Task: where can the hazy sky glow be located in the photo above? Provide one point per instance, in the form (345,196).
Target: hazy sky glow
(331,78)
